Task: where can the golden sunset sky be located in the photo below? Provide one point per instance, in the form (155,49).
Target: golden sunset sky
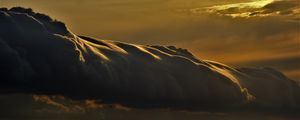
(258,33)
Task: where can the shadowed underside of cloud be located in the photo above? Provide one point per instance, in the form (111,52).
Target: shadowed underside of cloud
(41,56)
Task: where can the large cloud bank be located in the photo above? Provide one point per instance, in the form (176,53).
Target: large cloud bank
(40,55)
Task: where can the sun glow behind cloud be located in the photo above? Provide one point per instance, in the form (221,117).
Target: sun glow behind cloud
(249,5)
(261,8)
(243,8)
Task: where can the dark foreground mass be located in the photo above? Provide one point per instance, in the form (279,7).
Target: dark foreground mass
(41,56)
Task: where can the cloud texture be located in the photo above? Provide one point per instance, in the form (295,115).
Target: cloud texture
(40,55)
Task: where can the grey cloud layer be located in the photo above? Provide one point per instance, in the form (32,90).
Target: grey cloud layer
(41,56)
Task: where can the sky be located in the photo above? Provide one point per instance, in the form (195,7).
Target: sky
(241,33)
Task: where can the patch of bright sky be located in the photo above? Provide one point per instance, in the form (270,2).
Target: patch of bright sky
(253,4)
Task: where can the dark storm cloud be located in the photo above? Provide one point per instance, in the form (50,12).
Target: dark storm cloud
(206,34)
(41,56)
